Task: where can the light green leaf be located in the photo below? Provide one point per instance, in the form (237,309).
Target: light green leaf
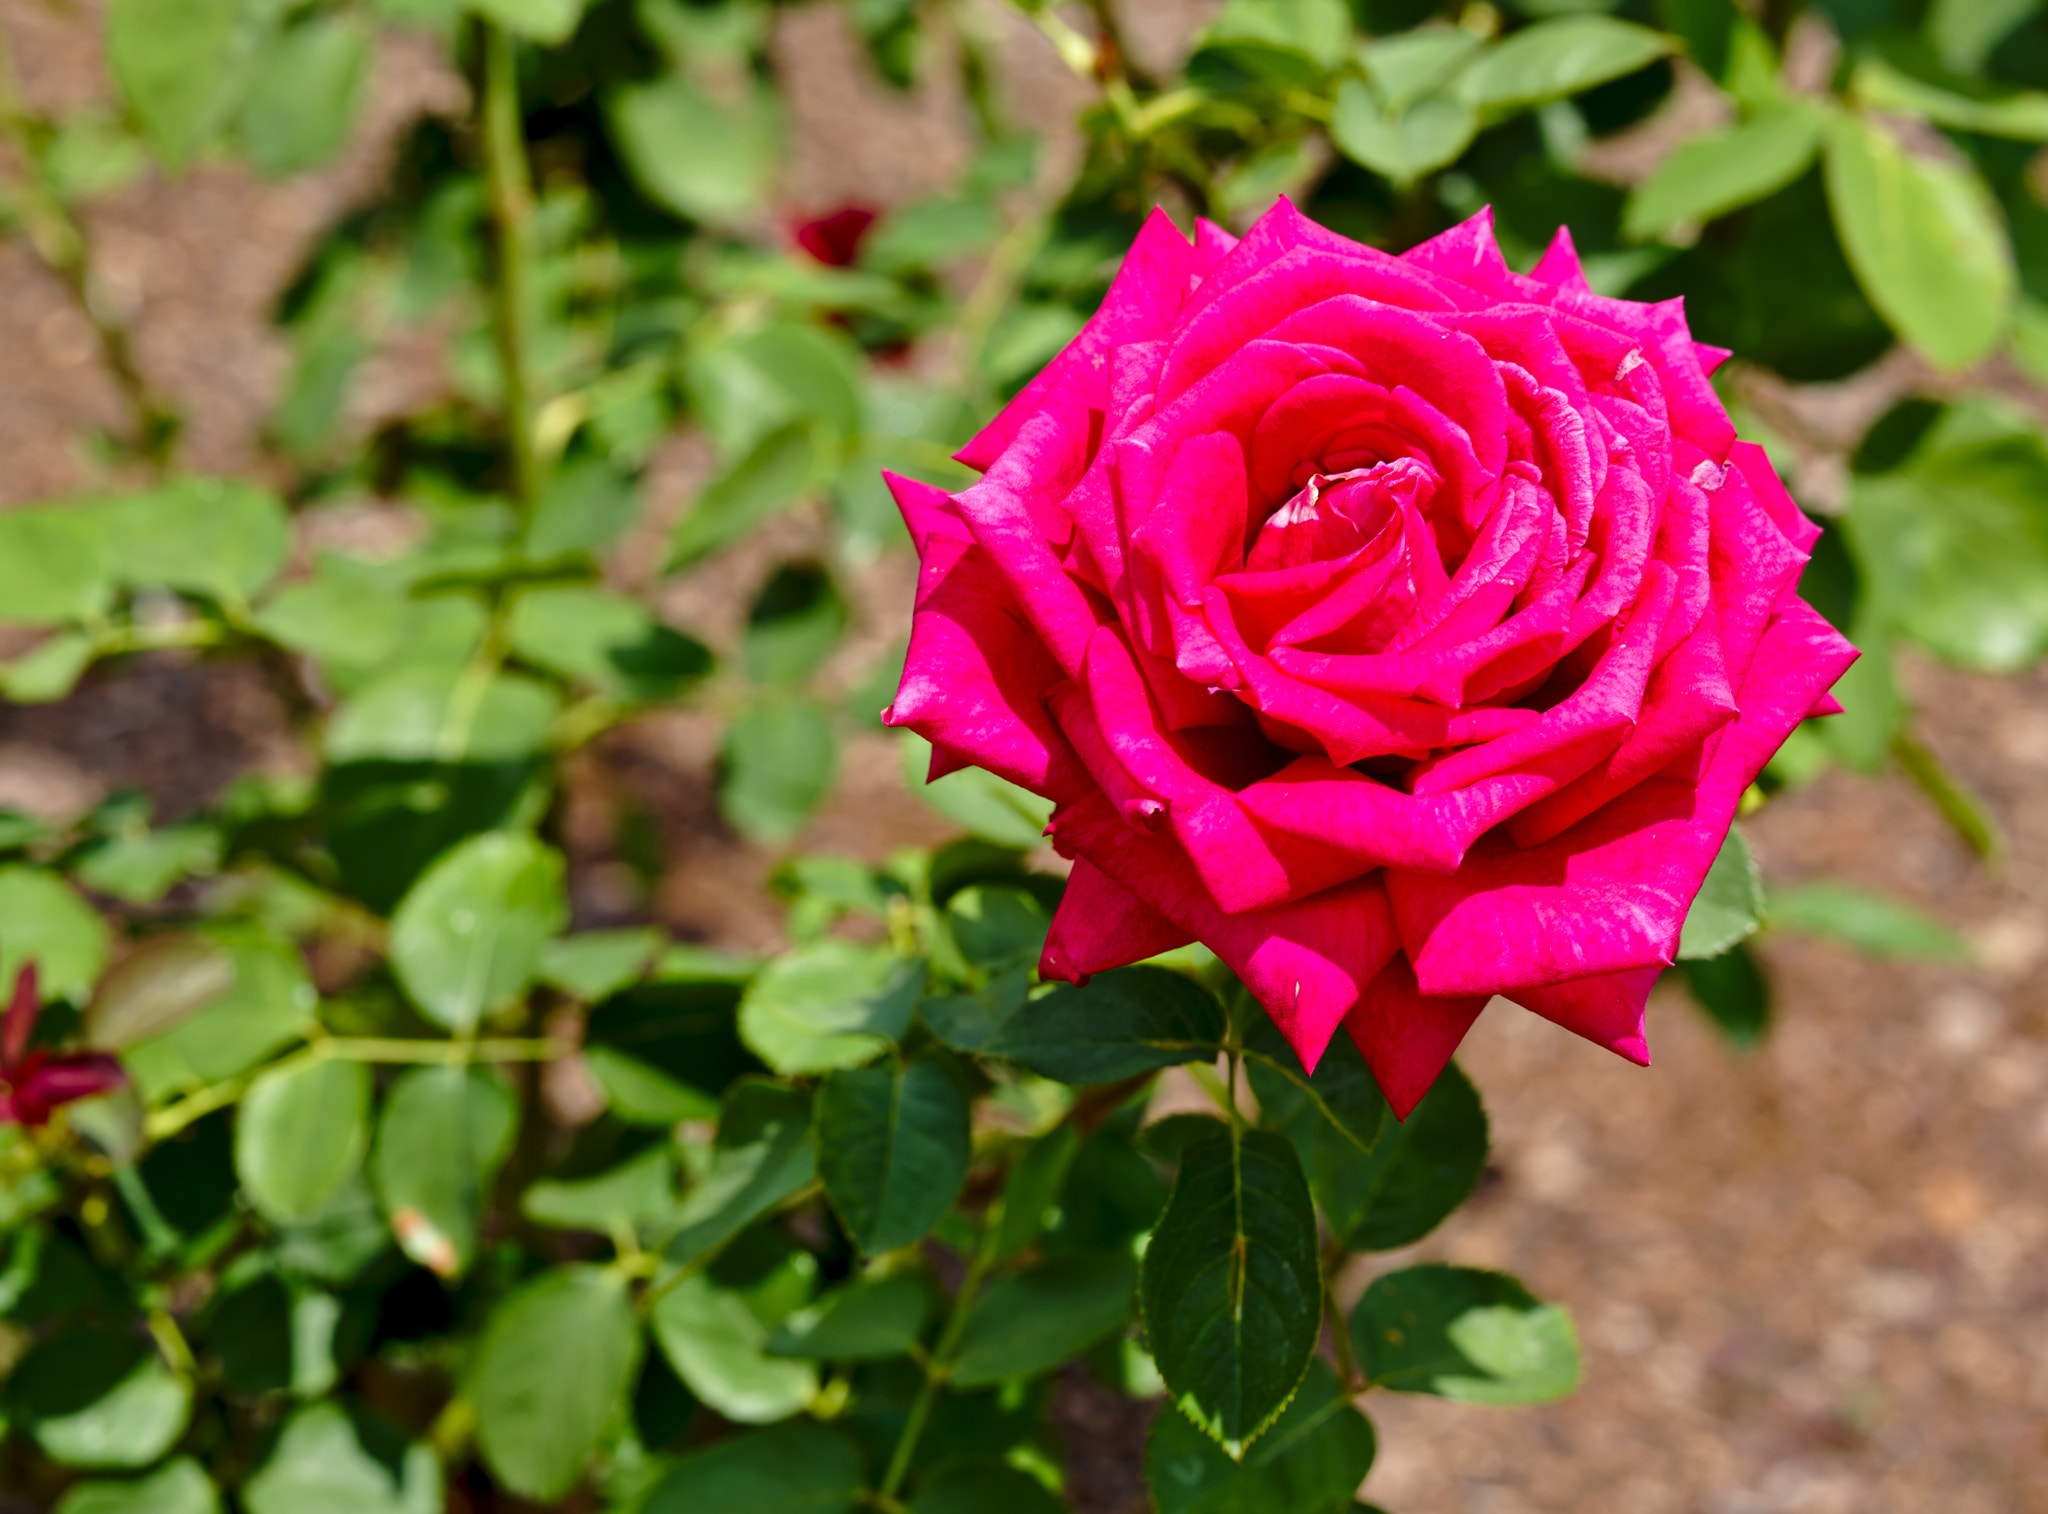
(141,869)
(779,470)
(1926,240)
(1406,66)
(762,1155)
(991,807)
(177,1487)
(704,159)
(639,1194)
(1709,175)
(553,1367)
(998,928)
(300,1134)
(595,964)
(929,234)
(641,1094)
(220,537)
(1955,543)
(271,1002)
(606,640)
(1462,1333)
(1317,29)
(780,763)
(160,985)
(417,714)
(1728,905)
(303,102)
(1867,921)
(1310,1462)
(46,923)
(544,21)
(55,565)
(1030,1322)
(440,1140)
(1406,144)
(99,1399)
(893,1148)
(320,1466)
(49,671)
(181,66)
(466,940)
(1553,59)
(1233,1291)
(2018,113)
(828,1004)
(793,625)
(1124,1022)
(712,1339)
(1964,32)
(792,1469)
(864,1321)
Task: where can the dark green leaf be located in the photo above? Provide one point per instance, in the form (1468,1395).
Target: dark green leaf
(1124,1022)
(177,1487)
(1729,903)
(1036,1178)
(553,1367)
(864,1321)
(1030,1322)
(794,624)
(585,504)
(1310,1462)
(892,1150)
(929,234)
(300,1134)
(716,1346)
(466,940)
(320,1466)
(1732,989)
(829,1004)
(1926,240)
(335,1245)
(971,1022)
(1233,1290)
(1419,1171)
(983,1487)
(440,1140)
(780,763)
(762,1155)
(1462,1333)
(1553,59)
(792,1469)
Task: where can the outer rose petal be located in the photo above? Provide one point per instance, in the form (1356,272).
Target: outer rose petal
(1099,926)
(1608,1011)
(1406,1036)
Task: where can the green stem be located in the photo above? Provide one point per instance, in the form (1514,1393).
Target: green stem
(940,1367)
(1963,810)
(60,243)
(510,180)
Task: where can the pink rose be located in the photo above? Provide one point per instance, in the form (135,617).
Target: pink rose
(1404,629)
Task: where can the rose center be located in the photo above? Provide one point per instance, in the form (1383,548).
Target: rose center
(1334,514)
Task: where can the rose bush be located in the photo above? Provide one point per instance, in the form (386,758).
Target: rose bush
(1405,629)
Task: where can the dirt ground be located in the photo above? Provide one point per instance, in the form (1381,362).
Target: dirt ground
(1809,1280)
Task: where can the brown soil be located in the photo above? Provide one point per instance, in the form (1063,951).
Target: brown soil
(1809,1280)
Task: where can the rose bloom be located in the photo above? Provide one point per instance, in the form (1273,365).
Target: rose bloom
(1404,629)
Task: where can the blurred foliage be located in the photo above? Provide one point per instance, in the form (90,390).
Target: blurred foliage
(830,1220)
